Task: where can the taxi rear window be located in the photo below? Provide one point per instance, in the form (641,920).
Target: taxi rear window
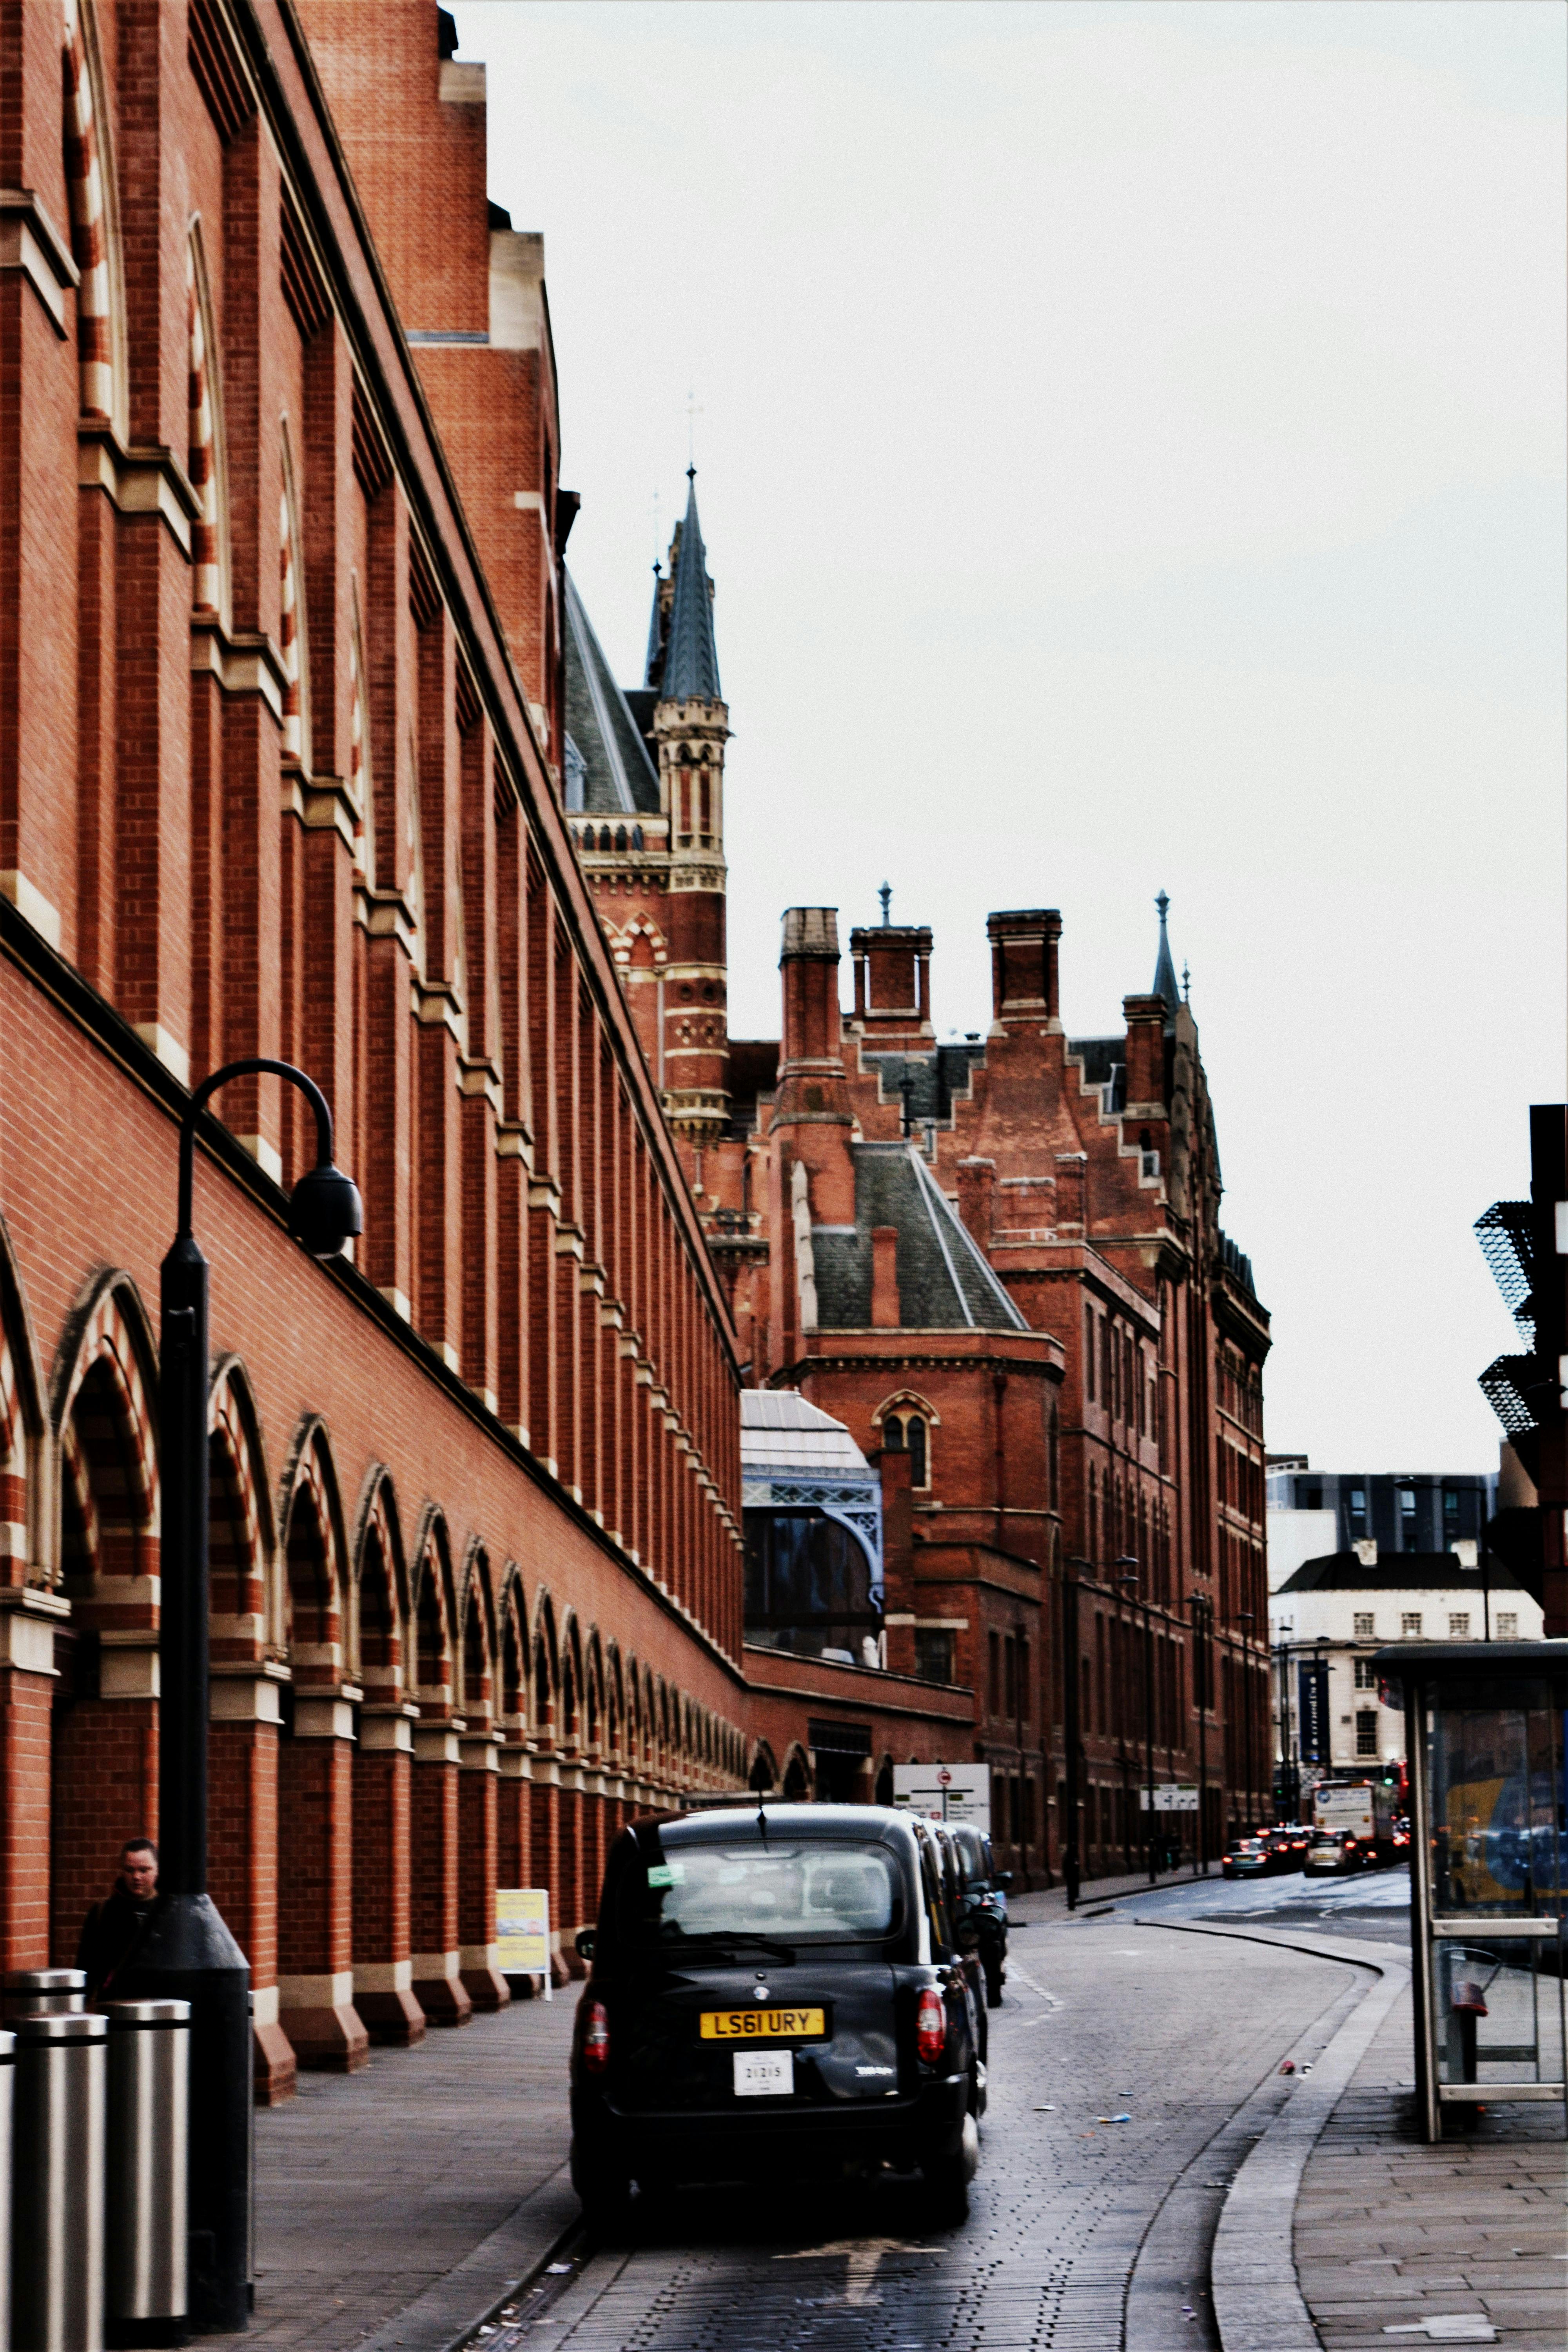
(798,1891)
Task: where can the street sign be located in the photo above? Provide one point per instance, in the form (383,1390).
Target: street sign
(1312,1683)
(945,1792)
(523,1932)
(1171,1797)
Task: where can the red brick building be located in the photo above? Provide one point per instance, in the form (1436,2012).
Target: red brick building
(281,730)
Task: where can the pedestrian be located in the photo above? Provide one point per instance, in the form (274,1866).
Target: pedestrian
(112,1932)
(1070,1875)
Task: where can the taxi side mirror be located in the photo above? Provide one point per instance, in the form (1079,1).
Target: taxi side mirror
(584,1943)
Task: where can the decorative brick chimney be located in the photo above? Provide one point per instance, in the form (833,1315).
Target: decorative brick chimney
(811,1107)
(1024,982)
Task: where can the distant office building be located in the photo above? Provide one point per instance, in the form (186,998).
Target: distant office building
(1313,1512)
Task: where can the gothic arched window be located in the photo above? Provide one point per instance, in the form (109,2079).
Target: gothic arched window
(636,836)
(909,1434)
(620,836)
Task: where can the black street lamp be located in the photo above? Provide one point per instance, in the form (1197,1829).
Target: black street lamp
(1072,1734)
(1129,1565)
(189,1954)
(1203,1668)
(1245,1617)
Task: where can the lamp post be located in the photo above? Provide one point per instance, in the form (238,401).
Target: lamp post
(1129,1565)
(190,1954)
(1203,1667)
(1072,1733)
(1245,1617)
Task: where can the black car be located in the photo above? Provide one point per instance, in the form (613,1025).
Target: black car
(984,1904)
(775,1993)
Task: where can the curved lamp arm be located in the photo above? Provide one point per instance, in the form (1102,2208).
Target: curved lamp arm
(345,1199)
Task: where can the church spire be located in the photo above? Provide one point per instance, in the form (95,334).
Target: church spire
(1165,968)
(690,655)
(654,629)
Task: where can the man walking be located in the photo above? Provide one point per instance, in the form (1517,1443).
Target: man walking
(114,1930)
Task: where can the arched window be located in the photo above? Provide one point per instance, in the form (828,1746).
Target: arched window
(636,836)
(909,1432)
(620,836)
(603,836)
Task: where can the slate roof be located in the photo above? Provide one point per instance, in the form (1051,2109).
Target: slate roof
(945,1283)
(617,774)
(934,1078)
(780,1431)
(690,655)
(1399,1571)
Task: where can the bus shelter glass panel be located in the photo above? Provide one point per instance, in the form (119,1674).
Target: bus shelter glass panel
(1498,1852)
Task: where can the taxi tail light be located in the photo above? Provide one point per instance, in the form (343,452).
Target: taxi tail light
(930,2026)
(596,2038)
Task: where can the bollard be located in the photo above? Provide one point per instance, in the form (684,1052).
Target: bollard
(7,2086)
(56,2287)
(46,1992)
(145,2223)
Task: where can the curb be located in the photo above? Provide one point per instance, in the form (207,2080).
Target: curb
(1256,2294)
(497,2270)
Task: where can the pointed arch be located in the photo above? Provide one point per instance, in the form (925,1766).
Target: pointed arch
(477,1654)
(106,1385)
(93,194)
(206,443)
(361,793)
(315,1559)
(512,1655)
(379,1611)
(25,1551)
(762,1772)
(246,1605)
(433,1619)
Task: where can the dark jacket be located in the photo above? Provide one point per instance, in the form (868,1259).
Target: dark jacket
(110,1940)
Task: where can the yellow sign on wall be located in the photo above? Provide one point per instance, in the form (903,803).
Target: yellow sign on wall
(522,1931)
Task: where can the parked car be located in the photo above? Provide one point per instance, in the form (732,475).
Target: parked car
(985,1892)
(775,1993)
(966,1927)
(1248,1858)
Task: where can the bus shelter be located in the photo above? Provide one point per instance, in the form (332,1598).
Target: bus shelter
(1488,1862)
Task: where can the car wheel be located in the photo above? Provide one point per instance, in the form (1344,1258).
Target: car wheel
(605,2195)
(947,2179)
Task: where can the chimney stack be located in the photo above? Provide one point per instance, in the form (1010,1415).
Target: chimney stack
(1024,979)
(885,1310)
(812,1102)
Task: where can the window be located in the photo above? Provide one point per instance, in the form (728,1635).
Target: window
(933,1655)
(1458,1625)
(1450,1514)
(1410,1625)
(1365,1625)
(906,1434)
(1508,1625)
(1358,1512)
(1407,1517)
(1310,1498)
(995,1647)
(1089,1353)
(1365,1675)
(1366,1731)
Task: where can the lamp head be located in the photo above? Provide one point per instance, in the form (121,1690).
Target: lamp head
(325,1210)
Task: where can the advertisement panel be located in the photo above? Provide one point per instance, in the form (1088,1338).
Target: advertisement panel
(1313,1714)
(523,1932)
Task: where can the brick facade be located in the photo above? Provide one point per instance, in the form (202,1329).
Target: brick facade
(281,734)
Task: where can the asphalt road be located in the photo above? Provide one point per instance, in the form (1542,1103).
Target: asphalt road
(1375,1904)
(1131,2068)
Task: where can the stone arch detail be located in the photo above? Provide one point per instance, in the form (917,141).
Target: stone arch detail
(315,1559)
(206,445)
(108,1350)
(246,1603)
(293,642)
(432,1618)
(93,193)
(378,1655)
(24,1552)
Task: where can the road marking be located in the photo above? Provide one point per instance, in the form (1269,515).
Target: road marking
(1038,1990)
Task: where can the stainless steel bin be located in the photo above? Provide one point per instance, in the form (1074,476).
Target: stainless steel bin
(149,2107)
(46,1992)
(57,2206)
(8,2087)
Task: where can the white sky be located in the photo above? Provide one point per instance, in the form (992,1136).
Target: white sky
(1130,454)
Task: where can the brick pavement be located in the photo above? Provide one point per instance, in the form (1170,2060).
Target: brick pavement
(1064,2247)
(394,2204)
(1390,2231)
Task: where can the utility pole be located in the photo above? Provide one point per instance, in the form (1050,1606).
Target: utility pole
(1203,1669)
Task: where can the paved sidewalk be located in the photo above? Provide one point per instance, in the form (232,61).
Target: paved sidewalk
(1390,2232)
(394,2206)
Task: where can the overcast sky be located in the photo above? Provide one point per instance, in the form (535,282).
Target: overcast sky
(1130,453)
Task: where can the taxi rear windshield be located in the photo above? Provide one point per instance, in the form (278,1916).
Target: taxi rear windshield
(794,1893)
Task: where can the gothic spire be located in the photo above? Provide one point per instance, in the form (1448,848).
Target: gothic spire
(690,656)
(655,631)
(1165,968)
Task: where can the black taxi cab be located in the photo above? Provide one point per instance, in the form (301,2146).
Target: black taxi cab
(777,1993)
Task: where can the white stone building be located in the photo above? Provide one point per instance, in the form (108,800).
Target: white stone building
(1344,1606)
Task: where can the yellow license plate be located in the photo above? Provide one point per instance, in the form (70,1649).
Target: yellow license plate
(763,2025)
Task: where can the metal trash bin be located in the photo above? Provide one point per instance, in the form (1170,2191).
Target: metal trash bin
(57,2211)
(46,1992)
(148,2114)
(7,2086)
